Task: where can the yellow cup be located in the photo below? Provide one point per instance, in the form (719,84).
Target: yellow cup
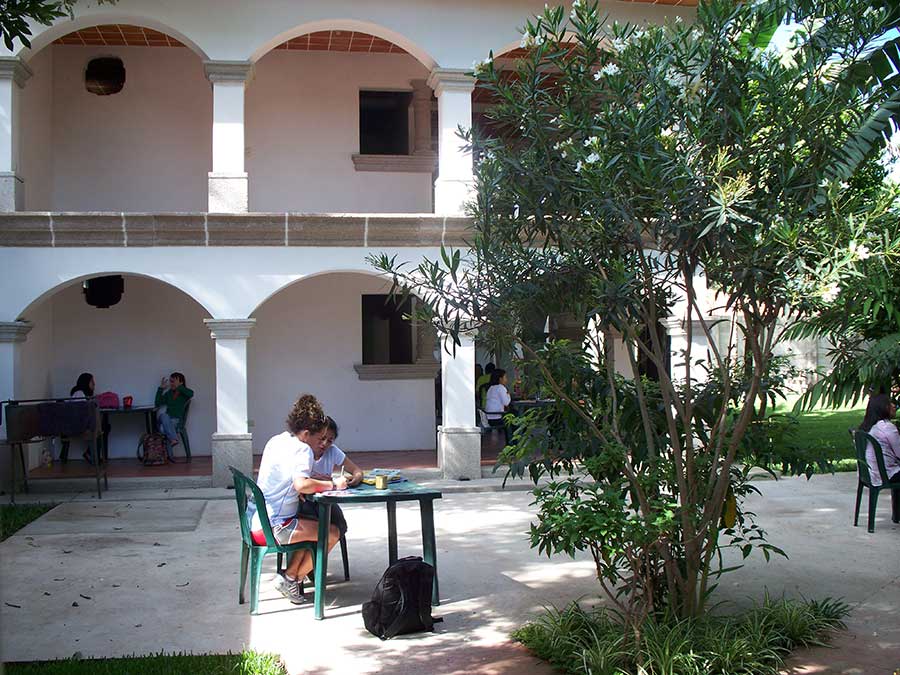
(381,482)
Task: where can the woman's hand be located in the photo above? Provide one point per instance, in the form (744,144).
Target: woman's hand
(164,383)
(340,483)
(355,480)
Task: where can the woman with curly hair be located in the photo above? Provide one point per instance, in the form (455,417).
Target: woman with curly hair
(290,468)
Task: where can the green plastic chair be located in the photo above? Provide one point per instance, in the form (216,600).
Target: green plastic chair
(182,431)
(861,439)
(252,554)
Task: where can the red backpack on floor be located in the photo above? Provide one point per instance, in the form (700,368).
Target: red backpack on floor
(152,449)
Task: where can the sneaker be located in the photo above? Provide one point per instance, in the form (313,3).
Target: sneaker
(290,590)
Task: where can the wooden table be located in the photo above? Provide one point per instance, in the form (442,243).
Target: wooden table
(366,494)
(148,411)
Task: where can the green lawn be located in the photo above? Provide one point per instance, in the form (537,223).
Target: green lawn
(823,432)
(13,517)
(247,663)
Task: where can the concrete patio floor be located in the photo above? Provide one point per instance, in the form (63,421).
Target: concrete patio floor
(138,574)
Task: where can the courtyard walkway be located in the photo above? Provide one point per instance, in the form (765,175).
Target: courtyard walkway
(139,575)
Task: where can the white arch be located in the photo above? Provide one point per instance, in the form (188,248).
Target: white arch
(349,25)
(307,277)
(66,26)
(53,290)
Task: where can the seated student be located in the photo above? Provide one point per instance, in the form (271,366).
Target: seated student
(878,423)
(323,468)
(174,395)
(483,383)
(289,463)
(84,388)
(497,398)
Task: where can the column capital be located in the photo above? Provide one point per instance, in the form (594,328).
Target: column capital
(228,71)
(14,331)
(14,68)
(229,329)
(678,326)
(451,79)
(421,88)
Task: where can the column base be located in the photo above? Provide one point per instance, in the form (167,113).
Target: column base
(459,453)
(12,192)
(451,196)
(228,193)
(231,450)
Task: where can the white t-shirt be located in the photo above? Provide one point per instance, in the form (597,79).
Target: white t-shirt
(285,458)
(496,401)
(885,432)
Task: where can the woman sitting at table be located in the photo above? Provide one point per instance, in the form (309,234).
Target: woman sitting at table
(84,388)
(497,398)
(172,398)
(323,467)
(299,462)
(878,423)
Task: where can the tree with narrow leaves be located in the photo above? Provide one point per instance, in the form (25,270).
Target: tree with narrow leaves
(18,16)
(698,174)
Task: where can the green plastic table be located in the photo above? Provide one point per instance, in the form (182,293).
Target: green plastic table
(405,491)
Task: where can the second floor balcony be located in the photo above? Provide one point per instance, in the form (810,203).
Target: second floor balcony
(119,118)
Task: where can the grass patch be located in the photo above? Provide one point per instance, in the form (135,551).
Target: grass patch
(583,642)
(822,434)
(13,517)
(246,663)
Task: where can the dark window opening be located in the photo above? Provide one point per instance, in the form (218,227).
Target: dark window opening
(387,336)
(104,76)
(384,122)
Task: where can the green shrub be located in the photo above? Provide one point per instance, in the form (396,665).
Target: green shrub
(592,642)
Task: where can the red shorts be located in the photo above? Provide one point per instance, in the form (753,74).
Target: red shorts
(283,532)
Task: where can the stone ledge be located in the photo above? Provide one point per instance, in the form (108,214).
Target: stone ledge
(397,371)
(105,229)
(396,163)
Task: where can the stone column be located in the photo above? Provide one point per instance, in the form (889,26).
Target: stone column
(453,187)
(424,343)
(459,441)
(13,75)
(421,102)
(228,182)
(11,332)
(677,330)
(232,444)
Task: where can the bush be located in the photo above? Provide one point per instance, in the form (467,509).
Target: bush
(581,641)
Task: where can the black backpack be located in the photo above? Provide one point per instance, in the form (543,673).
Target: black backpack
(401,602)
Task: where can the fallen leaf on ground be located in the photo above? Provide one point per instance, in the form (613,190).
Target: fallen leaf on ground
(9,604)
(182,585)
(75,604)
(82,595)
(161,564)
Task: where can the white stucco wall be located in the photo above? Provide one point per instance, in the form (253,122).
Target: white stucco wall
(34,371)
(147,148)
(306,339)
(302,117)
(154,330)
(36,149)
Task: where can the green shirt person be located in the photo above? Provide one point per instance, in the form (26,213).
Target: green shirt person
(174,395)
(482,384)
